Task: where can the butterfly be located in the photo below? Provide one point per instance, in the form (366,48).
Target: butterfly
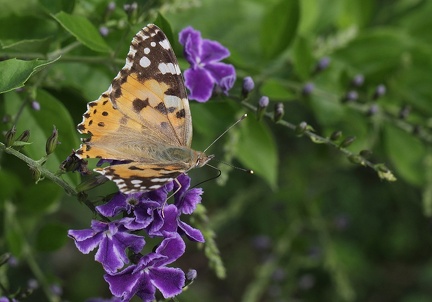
(143,120)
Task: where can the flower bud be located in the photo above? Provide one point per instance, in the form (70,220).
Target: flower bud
(347,141)
(262,106)
(404,112)
(308,88)
(248,86)
(380,90)
(301,128)
(36,174)
(336,135)
(355,159)
(358,80)
(9,136)
(350,96)
(191,275)
(279,112)
(103,31)
(24,137)
(365,153)
(35,105)
(373,109)
(130,7)
(111,6)
(52,142)
(322,64)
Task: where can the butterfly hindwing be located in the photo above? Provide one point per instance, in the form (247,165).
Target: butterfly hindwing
(141,177)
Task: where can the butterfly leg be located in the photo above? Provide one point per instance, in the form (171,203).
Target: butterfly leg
(178,189)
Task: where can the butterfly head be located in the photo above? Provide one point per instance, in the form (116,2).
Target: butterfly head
(202,159)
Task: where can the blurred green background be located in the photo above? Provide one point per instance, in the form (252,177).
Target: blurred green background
(309,225)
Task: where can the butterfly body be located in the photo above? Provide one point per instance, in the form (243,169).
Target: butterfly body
(143,119)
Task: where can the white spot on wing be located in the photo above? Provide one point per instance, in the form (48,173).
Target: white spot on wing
(153,44)
(145,62)
(136,181)
(165,44)
(167,68)
(160,179)
(154,187)
(146,50)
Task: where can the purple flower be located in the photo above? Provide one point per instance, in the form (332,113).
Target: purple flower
(185,202)
(138,207)
(112,238)
(206,71)
(150,273)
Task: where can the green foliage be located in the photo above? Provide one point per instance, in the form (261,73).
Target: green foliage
(322,219)
(16,72)
(83,30)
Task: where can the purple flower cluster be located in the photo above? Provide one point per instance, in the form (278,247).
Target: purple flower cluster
(206,72)
(147,213)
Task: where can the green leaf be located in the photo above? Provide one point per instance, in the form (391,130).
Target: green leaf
(14,73)
(40,123)
(40,198)
(51,237)
(56,6)
(376,53)
(13,237)
(257,150)
(26,45)
(7,191)
(279,27)
(303,59)
(85,32)
(407,154)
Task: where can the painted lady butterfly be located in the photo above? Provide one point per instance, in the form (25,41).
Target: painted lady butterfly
(143,119)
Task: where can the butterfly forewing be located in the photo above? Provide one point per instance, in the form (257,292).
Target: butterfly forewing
(150,88)
(144,112)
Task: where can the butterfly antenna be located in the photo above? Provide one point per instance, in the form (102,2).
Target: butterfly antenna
(232,166)
(223,133)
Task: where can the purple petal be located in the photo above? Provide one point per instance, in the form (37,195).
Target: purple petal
(111,252)
(227,83)
(189,201)
(172,247)
(212,51)
(191,41)
(156,224)
(200,84)
(192,233)
(85,246)
(168,280)
(170,219)
(81,235)
(159,195)
(127,283)
(150,260)
(220,71)
(110,257)
(132,241)
(146,290)
(114,206)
